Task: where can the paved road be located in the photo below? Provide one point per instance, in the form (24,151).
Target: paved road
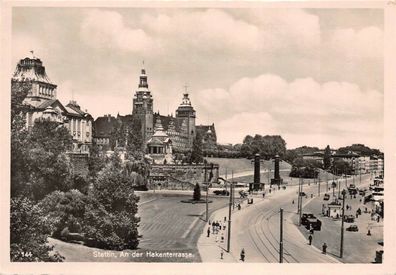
(256,229)
(358,247)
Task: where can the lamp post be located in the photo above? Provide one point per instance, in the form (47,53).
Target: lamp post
(281,237)
(229,214)
(342,224)
(318,182)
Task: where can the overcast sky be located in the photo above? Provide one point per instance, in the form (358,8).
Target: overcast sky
(315,77)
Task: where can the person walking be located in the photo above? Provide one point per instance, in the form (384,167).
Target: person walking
(221,254)
(324,248)
(243,255)
(208,232)
(310,239)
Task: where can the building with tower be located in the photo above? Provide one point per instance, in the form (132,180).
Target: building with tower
(143,106)
(181,129)
(42,103)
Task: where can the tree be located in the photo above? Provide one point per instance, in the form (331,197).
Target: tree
(114,190)
(267,146)
(342,167)
(327,158)
(197,153)
(197,192)
(29,231)
(39,163)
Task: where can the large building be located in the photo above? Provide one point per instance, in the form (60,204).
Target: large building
(43,104)
(181,129)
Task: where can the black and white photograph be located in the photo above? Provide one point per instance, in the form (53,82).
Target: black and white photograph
(196,134)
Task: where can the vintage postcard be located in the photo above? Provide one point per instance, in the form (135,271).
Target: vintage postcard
(225,135)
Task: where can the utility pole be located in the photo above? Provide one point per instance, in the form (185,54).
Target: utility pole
(281,237)
(226,179)
(229,215)
(298,196)
(207,191)
(233,196)
(342,224)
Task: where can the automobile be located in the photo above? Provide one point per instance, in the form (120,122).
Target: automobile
(311,222)
(302,194)
(349,218)
(221,192)
(305,217)
(326,197)
(353,228)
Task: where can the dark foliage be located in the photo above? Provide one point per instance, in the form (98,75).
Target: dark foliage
(29,232)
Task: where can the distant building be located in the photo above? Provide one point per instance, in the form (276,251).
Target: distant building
(43,104)
(180,129)
(209,138)
(317,156)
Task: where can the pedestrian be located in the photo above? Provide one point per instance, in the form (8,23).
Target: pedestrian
(378,218)
(293,202)
(263,195)
(208,232)
(357,214)
(225,218)
(222,237)
(224,226)
(239,206)
(310,239)
(221,254)
(243,255)
(324,248)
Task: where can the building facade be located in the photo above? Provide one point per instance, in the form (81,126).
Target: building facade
(180,129)
(42,103)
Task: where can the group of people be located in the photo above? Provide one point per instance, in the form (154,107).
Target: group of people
(217,227)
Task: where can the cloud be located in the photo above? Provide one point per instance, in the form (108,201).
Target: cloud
(358,44)
(107,29)
(333,111)
(236,127)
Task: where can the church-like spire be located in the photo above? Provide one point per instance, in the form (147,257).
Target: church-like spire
(143,78)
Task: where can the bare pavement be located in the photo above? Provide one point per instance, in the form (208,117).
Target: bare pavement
(256,228)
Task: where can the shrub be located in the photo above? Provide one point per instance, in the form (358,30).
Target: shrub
(29,233)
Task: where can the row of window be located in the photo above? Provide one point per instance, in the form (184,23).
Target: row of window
(46,91)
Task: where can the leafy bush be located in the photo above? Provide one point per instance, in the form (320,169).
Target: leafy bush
(29,233)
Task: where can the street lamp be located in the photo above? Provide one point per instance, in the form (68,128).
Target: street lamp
(342,223)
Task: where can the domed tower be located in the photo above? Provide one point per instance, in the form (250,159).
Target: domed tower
(186,112)
(143,106)
(31,70)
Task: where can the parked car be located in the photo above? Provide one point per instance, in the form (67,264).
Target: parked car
(353,228)
(326,197)
(221,192)
(349,218)
(311,222)
(302,194)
